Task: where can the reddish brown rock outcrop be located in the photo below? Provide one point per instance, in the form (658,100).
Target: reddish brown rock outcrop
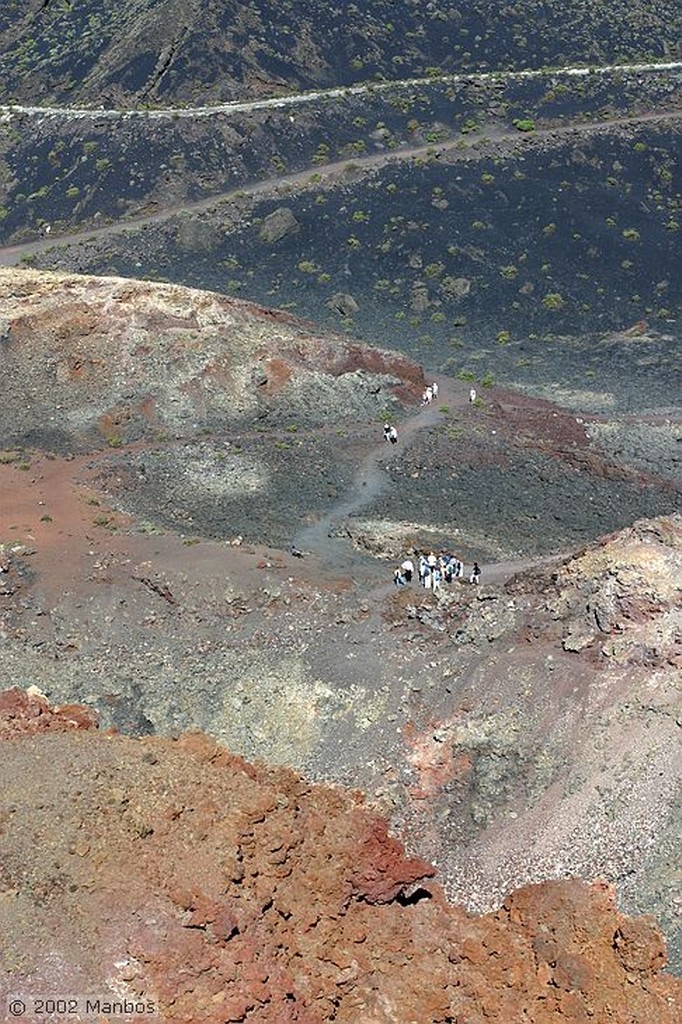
(224,892)
(23,711)
(112,360)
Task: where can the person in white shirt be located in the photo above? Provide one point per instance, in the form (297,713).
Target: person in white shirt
(408,569)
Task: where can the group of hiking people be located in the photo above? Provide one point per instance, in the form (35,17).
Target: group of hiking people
(430,394)
(434,570)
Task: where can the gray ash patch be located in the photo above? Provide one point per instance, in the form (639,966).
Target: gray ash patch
(259,488)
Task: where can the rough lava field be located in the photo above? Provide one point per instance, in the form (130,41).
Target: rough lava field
(258,896)
(245,778)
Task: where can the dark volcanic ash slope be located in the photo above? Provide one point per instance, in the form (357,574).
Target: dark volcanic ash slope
(143,51)
(178,875)
(77,170)
(547,263)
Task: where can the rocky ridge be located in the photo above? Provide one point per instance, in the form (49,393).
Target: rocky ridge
(259,897)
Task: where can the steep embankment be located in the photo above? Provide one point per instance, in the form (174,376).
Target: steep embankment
(258,897)
(558,749)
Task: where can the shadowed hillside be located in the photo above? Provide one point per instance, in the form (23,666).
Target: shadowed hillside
(143,51)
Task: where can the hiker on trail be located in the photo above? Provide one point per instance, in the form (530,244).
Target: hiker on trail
(472,395)
(427,397)
(390,433)
(407,568)
(423,569)
(434,390)
(398,578)
(475,574)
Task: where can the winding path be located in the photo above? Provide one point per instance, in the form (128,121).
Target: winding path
(369,483)
(12,255)
(321,540)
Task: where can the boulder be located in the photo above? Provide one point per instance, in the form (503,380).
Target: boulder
(277,225)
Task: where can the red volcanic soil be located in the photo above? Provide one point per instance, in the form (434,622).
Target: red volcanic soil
(178,877)
(53,513)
